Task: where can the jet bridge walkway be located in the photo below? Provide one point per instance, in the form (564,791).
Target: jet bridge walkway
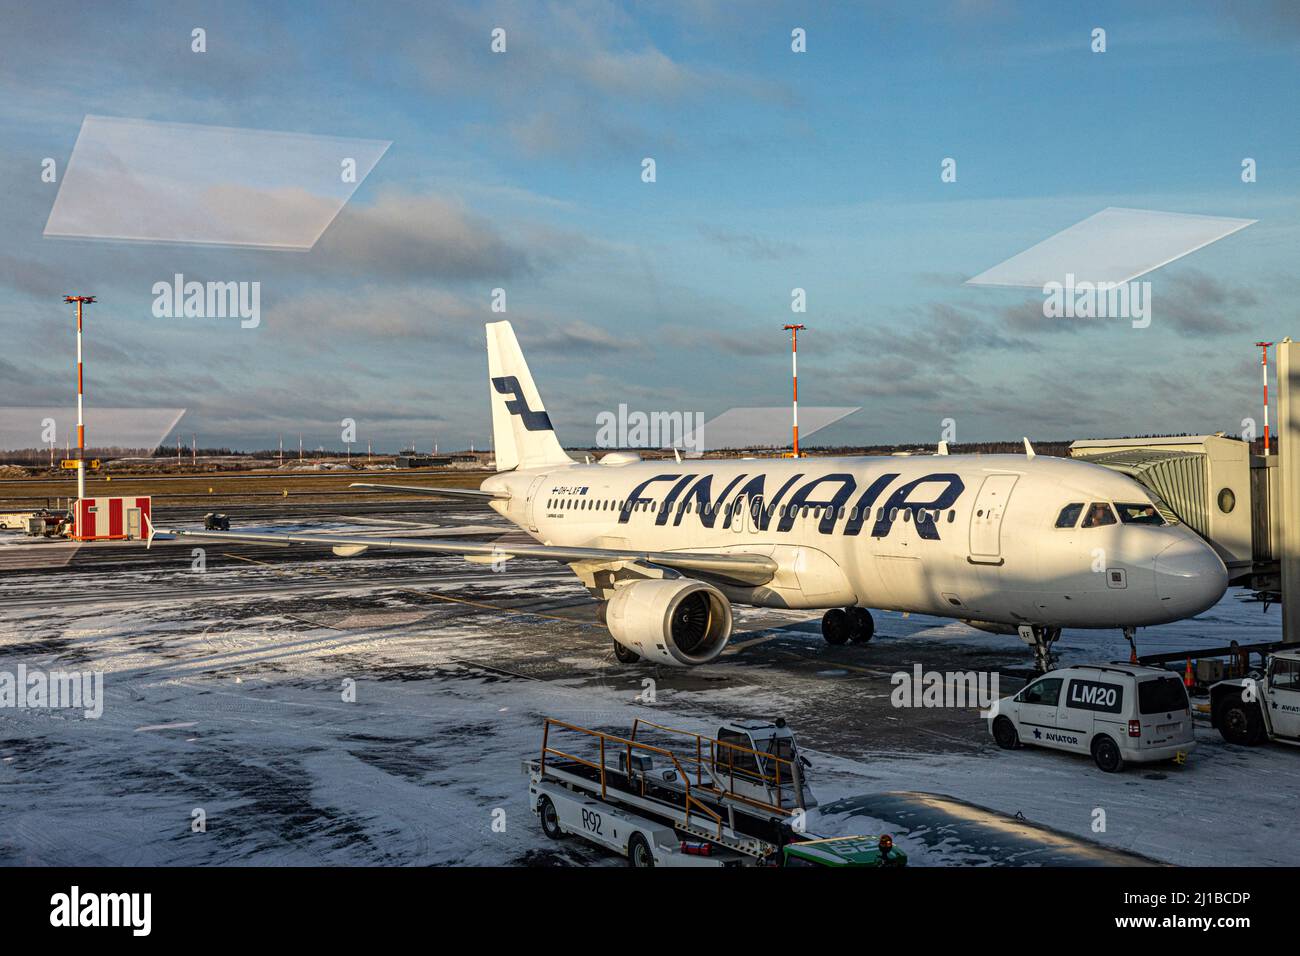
(1246,506)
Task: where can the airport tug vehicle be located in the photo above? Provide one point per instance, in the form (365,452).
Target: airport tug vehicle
(855,851)
(668,797)
(1250,710)
(1118,713)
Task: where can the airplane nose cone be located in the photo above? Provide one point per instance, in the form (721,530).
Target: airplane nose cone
(1190,577)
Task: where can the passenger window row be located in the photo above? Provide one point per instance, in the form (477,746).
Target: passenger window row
(782,511)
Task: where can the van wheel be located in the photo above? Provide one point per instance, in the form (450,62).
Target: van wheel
(1004,733)
(638,852)
(550,819)
(1241,723)
(835,626)
(625,655)
(1106,752)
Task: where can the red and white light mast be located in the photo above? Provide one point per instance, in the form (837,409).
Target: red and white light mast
(81,424)
(794,370)
(1263,362)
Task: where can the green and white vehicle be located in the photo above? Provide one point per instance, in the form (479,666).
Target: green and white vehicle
(856,851)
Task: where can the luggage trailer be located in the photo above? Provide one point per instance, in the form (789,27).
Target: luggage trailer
(705,802)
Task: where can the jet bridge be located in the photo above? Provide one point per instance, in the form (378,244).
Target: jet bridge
(1237,501)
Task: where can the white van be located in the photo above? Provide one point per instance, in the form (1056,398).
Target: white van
(1115,712)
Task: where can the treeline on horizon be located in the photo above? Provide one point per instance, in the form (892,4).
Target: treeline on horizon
(40,457)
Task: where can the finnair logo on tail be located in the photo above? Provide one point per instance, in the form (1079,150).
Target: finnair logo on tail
(518,405)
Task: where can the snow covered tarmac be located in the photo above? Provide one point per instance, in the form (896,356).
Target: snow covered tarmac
(230,693)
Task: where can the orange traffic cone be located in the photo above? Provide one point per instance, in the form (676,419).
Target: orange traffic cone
(1189,679)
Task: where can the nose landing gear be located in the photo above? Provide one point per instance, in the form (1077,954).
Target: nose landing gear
(1041,639)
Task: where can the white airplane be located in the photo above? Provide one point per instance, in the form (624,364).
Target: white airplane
(1008,543)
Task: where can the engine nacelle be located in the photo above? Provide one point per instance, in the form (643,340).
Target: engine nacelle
(675,621)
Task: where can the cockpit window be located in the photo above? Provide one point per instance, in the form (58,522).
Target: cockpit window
(1141,513)
(1098,514)
(1069,515)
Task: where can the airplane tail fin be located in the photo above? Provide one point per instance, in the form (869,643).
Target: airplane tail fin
(521,429)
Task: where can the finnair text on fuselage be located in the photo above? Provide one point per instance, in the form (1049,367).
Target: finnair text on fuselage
(838,499)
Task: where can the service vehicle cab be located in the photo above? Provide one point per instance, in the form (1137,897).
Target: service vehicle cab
(1116,712)
(1249,710)
(851,851)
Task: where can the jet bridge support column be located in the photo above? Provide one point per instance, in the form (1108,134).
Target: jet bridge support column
(1287,517)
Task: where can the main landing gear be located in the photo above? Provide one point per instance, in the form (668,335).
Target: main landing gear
(625,655)
(1041,639)
(843,624)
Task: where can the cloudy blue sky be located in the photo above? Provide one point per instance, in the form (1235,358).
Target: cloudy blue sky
(775,170)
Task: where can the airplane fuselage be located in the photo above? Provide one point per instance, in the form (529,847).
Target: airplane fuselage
(961,536)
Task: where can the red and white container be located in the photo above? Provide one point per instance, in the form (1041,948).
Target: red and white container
(112,519)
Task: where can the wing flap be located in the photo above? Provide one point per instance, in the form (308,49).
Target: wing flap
(444,492)
(752,569)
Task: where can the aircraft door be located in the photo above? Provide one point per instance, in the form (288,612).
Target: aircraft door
(1284,696)
(986,518)
(738,512)
(530,502)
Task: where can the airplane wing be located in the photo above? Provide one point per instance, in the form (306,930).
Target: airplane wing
(447,492)
(750,569)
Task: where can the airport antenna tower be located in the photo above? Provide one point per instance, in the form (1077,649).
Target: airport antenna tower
(794,370)
(1263,362)
(81,300)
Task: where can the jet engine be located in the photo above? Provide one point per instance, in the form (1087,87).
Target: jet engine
(674,621)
